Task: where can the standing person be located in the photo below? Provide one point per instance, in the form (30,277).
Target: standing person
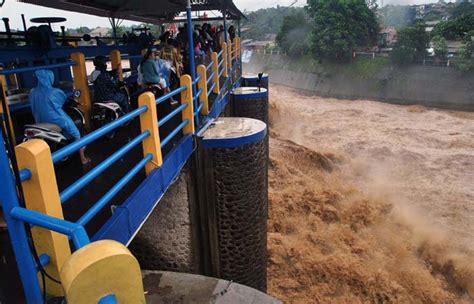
(231,33)
(221,36)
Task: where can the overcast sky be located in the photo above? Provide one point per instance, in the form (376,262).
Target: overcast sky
(13,9)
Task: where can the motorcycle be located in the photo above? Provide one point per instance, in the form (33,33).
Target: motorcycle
(51,133)
(103,113)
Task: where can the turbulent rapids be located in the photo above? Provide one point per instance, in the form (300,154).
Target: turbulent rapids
(369,202)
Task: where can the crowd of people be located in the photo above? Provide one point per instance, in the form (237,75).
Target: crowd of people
(165,60)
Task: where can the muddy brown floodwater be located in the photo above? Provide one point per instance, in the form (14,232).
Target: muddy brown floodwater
(369,202)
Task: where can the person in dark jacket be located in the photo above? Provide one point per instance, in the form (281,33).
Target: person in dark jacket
(106,85)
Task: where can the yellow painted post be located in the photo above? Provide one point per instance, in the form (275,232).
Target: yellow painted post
(202,85)
(236,48)
(230,56)
(80,83)
(149,122)
(102,268)
(226,58)
(215,69)
(187,96)
(116,60)
(3,82)
(41,194)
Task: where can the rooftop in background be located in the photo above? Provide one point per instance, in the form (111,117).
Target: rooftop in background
(152,11)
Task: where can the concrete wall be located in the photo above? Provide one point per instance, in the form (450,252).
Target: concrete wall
(166,240)
(430,86)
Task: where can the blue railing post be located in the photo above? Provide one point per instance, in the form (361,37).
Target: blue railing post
(192,63)
(17,231)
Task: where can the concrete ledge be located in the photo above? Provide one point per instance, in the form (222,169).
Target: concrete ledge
(172,287)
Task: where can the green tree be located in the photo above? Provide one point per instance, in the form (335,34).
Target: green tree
(455,28)
(340,26)
(461,9)
(440,47)
(294,32)
(463,61)
(266,21)
(411,44)
(469,43)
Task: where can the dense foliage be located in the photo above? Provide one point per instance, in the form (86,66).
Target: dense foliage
(340,26)
(463,9)
(455,28)
(266,21)
(460,22)
(440,47)
(294,34)
(411,44)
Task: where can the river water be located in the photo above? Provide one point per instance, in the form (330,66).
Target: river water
(369,202)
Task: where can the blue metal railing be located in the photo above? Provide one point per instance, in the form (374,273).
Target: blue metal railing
(198,94)
(37,67)
(100,204)
(25,174)
(220,64)
(198,110)
(210,78)
(211,89)
(170,94)
(168,138)
(91,137)
(197,79)
(91,175)
(221,72)
(132,56)
(209,66)
(76,232)
(175,112)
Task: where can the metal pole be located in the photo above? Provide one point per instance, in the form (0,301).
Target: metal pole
(192,63)
(17,231)
(239,28)
(224,13)
(24,23)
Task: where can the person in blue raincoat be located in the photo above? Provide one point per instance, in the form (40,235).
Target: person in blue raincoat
(47,107)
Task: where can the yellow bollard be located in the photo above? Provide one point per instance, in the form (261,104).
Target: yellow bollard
(116,60)
(41,194)
(80,83)
(187,96)
(100,269)
(225,65)
(149,122)
(3,83)
(215,69)
(202,85)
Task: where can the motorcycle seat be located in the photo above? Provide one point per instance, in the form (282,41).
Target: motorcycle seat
(45,127)
(108,104)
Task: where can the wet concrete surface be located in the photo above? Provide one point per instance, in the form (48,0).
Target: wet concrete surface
(171,287)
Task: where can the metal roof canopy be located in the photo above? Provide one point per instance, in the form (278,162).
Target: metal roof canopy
(148,11)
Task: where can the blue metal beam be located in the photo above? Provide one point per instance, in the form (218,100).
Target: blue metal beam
(16,230)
